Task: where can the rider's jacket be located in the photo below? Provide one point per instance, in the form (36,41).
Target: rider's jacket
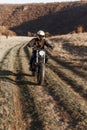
(39,43)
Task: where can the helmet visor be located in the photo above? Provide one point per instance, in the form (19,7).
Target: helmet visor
(41,36)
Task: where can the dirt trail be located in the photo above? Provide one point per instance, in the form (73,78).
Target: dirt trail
(57,105)
(8,85)
(45,106)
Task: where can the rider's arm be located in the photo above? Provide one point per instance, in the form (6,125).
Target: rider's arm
(31,43)
(48,45)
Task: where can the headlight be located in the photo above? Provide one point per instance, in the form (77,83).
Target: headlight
(41,53)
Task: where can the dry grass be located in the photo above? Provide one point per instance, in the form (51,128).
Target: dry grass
(58,104)
(6,32)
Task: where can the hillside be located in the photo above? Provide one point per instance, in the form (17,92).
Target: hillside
(55,18)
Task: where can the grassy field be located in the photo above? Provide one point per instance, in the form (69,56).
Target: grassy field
(61,103)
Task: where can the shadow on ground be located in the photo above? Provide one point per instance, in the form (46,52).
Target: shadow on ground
(15,78)
(78,50)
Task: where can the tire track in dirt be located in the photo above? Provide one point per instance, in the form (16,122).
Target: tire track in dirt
(44,105)
(75,83)
(20,124)
(67,99)
(30,114)
(7,78)
(6,55)
(67,66)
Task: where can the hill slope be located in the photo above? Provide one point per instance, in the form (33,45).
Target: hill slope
(55,18)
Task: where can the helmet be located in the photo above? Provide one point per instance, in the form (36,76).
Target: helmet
(41,33)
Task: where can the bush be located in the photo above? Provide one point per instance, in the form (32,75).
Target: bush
(80,29)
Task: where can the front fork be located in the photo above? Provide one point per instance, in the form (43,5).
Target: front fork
(37,57)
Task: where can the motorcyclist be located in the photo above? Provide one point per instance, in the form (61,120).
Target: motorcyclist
(39,42)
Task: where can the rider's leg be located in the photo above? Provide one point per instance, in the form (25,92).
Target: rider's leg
(31,60)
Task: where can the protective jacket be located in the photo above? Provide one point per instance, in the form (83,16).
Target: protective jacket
(39,43)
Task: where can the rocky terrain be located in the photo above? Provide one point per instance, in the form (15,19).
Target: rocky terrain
(61,103)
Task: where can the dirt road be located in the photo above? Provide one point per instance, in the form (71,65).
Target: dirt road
(60,104)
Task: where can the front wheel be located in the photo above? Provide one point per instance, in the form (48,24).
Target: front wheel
(41,74)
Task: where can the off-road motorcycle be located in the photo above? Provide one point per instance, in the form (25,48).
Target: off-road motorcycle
(38,65)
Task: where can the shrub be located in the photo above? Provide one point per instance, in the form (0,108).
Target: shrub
(80,29)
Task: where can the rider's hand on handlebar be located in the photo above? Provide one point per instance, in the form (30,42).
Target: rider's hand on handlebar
(34,47)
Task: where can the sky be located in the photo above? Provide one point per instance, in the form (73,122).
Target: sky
(31,1)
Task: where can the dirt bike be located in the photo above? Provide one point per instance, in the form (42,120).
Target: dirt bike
(38,66)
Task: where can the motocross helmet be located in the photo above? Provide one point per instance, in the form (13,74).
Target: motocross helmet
(41,34)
